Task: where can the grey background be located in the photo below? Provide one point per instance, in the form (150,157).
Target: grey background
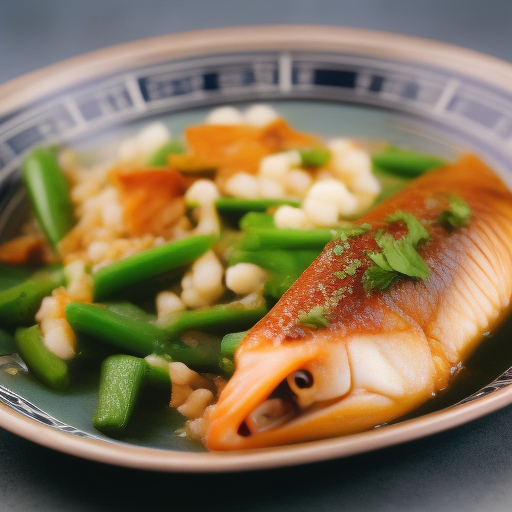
(466,469)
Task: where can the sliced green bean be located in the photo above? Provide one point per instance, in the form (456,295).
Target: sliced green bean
(285,266)
(405,163)
(217,318)
(121,381)
(159,157)
(48,192)
(235,205)
(256,220)
(7,343)
(286,238)
(138,337)
(19,304)
(42,363)
(230,343)
(314,157)
(158,377)
(148,264)
(12,275)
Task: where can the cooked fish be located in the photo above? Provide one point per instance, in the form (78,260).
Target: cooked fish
(345,350)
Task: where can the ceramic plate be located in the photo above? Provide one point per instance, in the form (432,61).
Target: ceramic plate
(332,81)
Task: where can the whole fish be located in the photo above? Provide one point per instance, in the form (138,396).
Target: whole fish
(341,353)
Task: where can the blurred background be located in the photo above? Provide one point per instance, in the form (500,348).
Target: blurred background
(466,469)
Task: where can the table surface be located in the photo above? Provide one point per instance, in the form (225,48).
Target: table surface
(467,469)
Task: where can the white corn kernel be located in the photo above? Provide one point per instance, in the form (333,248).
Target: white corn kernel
(334,192)
(260,115)
(245,278)
(352,163)
(364,183)
(196,403)
(201,192)
(97,250)
(320,213)
(298,182)
(49,309)
(290,217)
(152,137)
(61,339)
(168,303)
(242,185)
(207,272)
(277,165)
(80,283)
(224,116)
(181,374)
(270,189)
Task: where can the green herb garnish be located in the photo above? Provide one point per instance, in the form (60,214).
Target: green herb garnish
(314,318)
(457,215)
(398,257)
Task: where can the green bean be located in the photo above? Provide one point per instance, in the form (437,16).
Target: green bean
(405,163)
(148,264)
(286,238)
(42,363)
(47,189)
(314,157)
(138,337)
(217,318)
(12,275)
(19,304)
(235,205)
(159,157)
(121,381)
(7,343)
(230,343)
(158,377)
(285,266)
(256,220)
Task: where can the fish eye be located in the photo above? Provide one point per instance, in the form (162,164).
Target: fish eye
(302,379)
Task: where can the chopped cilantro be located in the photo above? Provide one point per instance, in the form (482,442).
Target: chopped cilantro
(314,318)
(340,274)
(376,278)
(403,257)
(398,257)
(457,215)
(338,250)
(416,231)
(344,234)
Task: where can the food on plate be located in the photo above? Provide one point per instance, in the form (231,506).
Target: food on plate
(168,271)
(380,320)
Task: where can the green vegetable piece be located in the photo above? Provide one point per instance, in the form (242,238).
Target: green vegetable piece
(121,381)
(219,318)
(42,363)
(230,343)
(7,343)
(138,337)
(48,192)
(285,266)
(256,220)
(377,278)
(148,264)
(416,230)
(403,257)
(12,275)
(286,238)
(344,234)
(314,318)
(234,205)
(405,163)
(158,377)
(379,260)
(159,157)
(457,215)
(19,304)
(314,157)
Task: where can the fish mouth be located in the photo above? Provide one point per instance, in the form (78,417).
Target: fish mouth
(258,402)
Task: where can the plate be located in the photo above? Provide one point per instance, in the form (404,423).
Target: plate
(332,81)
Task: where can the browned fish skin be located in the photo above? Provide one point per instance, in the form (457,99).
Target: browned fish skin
(465,295)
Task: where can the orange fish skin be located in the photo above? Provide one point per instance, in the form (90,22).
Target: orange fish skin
(384,353)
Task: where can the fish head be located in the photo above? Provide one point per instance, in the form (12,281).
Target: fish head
(320,387)
(272,387)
